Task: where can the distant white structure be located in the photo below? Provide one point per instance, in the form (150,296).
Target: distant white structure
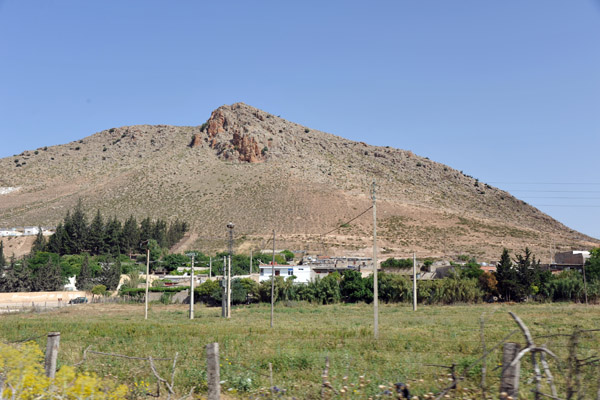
(7,190)
(26,231)
(11,232)
(31,231)
(303,273)
(71,285)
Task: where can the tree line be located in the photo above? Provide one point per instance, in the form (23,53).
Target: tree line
(46,272)
(74,235)
(518,279)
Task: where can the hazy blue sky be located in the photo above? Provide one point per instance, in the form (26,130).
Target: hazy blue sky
(507,91)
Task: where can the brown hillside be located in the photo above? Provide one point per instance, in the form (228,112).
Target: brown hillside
(263,173)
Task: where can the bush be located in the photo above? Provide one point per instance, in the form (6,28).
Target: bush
(353,287)
(449,290)
(99,290)
(402,263)
(289,256)
(393,288)
(25,378)
(161,289)
(166,297)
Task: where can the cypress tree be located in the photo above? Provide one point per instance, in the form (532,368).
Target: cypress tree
(110,274)
(113,236)
(49,277)
(84,279)
(55,244)
(17,278)
(160,233)
(40,242)
(506,275)
(145,229)
(528,273)
(96,235)
(76,228)
(130,237)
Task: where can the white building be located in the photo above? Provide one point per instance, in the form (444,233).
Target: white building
(10,232)
(303,273)
(31,231)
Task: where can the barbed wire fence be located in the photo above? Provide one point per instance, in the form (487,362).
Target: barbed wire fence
(572,374)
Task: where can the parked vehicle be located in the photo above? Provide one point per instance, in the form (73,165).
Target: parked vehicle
(78,300)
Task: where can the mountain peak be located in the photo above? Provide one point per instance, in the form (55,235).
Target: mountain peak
(246,134)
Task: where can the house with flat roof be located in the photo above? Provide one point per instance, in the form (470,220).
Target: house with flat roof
(302,273)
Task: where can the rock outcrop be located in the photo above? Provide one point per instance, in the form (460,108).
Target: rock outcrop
(234,138)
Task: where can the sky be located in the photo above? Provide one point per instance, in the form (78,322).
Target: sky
(506,91)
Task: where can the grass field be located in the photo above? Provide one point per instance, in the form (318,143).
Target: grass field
(303,336)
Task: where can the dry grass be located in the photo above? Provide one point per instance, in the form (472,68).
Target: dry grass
(303,336)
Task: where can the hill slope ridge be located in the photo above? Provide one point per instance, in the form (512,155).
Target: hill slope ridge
(263,173)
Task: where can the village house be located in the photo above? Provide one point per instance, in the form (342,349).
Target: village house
(31,231)
(12,232)
(568,260)
(302,273)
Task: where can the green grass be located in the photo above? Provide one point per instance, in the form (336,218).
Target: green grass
(303,336)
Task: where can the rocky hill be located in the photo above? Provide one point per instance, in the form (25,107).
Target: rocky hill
(263,173)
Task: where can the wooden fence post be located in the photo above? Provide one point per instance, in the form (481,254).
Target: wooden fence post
(213,375)
(51,353)
(509,383)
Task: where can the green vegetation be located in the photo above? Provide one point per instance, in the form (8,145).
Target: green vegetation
(401,263)
(75,236)
(99,290)
(303,335)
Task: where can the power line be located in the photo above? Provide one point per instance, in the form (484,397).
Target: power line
(545,183)
(555,191)
(565,205)
(561,197)
(347,222)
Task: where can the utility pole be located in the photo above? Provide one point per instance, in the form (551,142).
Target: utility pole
(147,278)
(375,286)
(192,286)
(224,286)
(584,283)
(273,279)
(414,282)
(230,226)
(229,289)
